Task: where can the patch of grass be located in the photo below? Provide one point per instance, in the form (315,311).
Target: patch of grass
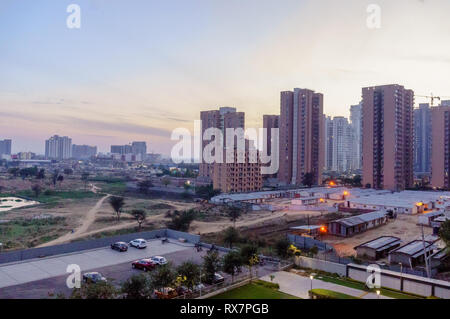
(254,290)
(54,196)
(27,233)
(361,286)
(116,188)
(329,294)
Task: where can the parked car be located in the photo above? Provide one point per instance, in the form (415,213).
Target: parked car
(138,243)
(218,278)
(120,246)
(159,260)
(144,264)
(93,277)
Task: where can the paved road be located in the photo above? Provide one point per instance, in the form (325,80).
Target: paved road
(37,269)
(299,286)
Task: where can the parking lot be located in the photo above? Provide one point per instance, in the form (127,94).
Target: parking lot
(39,269)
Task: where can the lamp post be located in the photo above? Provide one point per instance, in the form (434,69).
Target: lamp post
(401,268)
(378,294)
(311,277)
(1,248)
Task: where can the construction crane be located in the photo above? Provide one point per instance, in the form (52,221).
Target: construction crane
(433,97)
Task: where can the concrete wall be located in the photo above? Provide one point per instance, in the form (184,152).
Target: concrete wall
(312,263)
(404,282)
(19,255)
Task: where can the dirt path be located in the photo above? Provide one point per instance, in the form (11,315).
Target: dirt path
(88,220)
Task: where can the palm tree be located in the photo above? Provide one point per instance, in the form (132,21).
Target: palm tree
(117,204)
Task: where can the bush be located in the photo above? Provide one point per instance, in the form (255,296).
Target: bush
(328,294)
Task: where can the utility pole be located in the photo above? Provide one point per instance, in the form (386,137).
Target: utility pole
(425,254)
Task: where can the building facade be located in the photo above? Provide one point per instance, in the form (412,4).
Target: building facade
(235,177)
(341,145)
(422,139)
(328,124)
(223,118)
(356,125)
(388,142)
(139,148)
(440,158)
(58,147)
(302,144)
(83,151)
(121,149)
(5,147)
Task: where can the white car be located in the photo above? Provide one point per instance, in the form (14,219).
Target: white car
(138,243)
(159,260)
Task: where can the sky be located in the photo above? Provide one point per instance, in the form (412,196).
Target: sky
(138,69)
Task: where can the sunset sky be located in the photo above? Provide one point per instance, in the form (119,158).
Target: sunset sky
(137,69)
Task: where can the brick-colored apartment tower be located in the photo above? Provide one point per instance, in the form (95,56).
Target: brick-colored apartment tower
(238,177)
(302,143)
(388,137)
(223,118)
(440,149)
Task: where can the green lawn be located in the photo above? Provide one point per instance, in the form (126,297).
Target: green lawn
(53,196)
(359,285)
(254,291)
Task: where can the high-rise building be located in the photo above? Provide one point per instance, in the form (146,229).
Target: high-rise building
(5,147)
(83,151)
(388,137)
(139,148)
(225,117)
(236,177)
(422,139)
(342,145)
(356,124)
(58,147)
(270,122)
(121,149)
(302,140)
(328,125)
(440,158)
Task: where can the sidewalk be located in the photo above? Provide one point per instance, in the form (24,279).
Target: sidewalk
(299,286)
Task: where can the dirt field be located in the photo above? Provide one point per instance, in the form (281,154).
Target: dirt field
(405,227)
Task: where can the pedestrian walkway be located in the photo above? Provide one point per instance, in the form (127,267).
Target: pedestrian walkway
(299,286)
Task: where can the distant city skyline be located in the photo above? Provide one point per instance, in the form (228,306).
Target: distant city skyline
(180,57)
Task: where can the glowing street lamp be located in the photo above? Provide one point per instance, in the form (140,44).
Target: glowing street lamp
(378,294)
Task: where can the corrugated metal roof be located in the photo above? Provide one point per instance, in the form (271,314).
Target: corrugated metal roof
(414,248)
(381,242)
(361,219)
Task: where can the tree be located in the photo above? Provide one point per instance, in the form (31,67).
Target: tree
(206,192)
(55,177)
(308,179)
(99,290)
(85,178)
(230,236)
(191,272)
(68,171)
(163,276)
(166,181)
(232,264)
(41,174)
(282,247)
(137,287)
(357,181)
(234,213)
(140,216)
(60,180)
(249,255)
(144,186)
(117,204)
(37,190)
(211,265)
(444,232)
(314,250)
(14,171)
(182,220)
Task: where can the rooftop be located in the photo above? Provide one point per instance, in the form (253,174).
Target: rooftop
(361,219)
(381,243)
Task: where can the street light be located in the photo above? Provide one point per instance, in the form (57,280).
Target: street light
(378,294)
(311,277)
(401,268)
(1,248)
